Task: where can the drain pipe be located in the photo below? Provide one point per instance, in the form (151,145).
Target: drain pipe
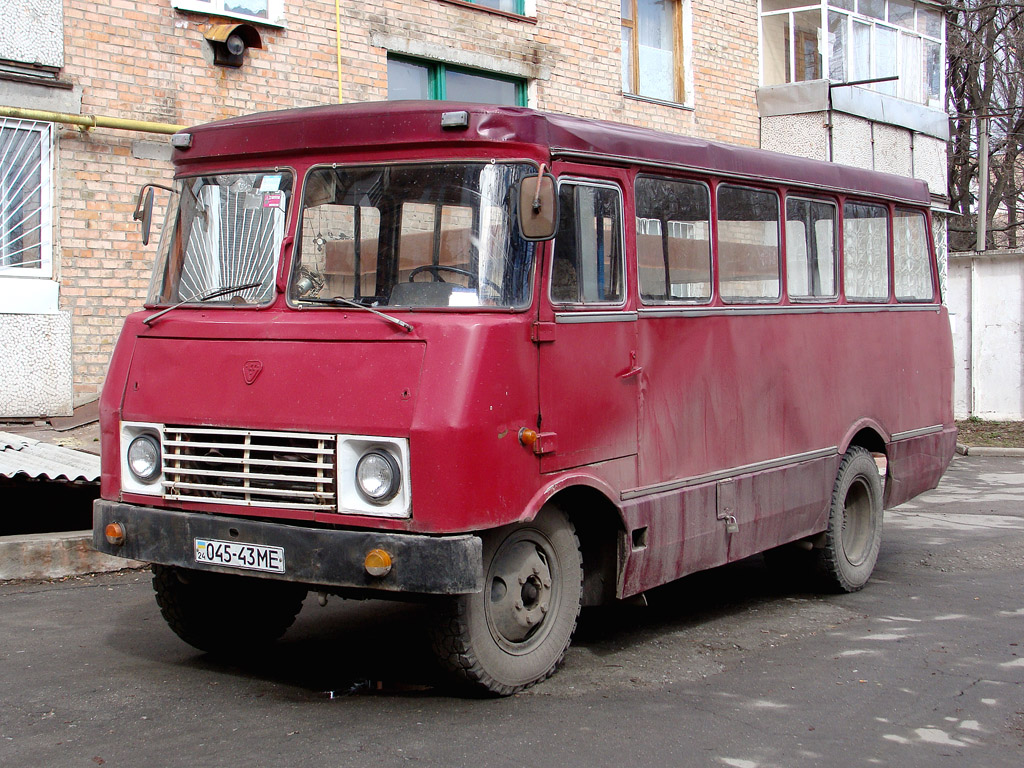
(88,122)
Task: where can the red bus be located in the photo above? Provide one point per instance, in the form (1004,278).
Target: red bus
(511,363)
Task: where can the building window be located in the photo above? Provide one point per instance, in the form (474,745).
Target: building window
(652,49)
(852,40)
(25,198)
(508,6)
(417,79)
(266,11)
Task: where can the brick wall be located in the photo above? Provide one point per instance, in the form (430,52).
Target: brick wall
(147,61)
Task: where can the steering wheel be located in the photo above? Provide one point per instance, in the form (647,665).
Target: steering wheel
(436,269)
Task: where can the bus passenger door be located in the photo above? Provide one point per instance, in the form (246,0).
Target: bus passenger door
(586,335)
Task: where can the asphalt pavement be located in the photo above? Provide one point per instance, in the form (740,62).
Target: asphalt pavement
(733,667)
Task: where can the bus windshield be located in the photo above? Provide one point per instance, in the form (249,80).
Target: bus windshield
(222,232)
(417,235)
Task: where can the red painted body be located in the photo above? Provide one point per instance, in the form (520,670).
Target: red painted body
(667,417)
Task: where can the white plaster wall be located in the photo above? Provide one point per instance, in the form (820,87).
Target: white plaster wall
(32,31)
(986,293)
(958,300)
(804,135)
(892,148)
(851,140)
(35,365)
(929,156)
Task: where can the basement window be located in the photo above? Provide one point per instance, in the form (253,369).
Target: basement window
(432,80)
(270,12)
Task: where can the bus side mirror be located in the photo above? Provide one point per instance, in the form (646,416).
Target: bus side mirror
(538,207)
(144,212)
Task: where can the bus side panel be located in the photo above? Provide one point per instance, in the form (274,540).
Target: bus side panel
(683,536)
(916,465)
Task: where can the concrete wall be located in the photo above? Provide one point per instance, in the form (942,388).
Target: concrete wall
(985,295)
(35,358)
(150,61)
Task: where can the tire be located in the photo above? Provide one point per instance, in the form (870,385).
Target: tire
(854,532)
(516,630)
(218,612)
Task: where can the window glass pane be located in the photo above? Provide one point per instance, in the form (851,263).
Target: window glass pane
(464,86)
(911,82)
(846,5)
(407,80)
(901,13)
(775,34)
(865,252)
(24,224)
(627,60)
(424,235)
(656,27)
(885,58)
(249,7)
(226,230)
(806,28)
(509,6)
(933,69)
(873,8)
(587,264)
(810,248)
(748,243)
(673,240)
(929,22)
(860,59)
(627,9)
(912,278)
(837,30)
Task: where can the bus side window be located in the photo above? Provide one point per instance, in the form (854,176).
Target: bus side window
(748,243)
(865,252)
(587,264)
(912,276)
(673,240)
(810,249)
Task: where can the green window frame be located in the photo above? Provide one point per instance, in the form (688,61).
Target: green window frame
(438,74)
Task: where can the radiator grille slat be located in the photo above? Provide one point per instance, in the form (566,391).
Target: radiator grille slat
(250,467)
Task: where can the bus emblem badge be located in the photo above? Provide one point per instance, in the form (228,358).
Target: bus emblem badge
(251,370)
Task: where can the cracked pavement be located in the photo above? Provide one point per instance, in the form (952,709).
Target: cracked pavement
(732,667)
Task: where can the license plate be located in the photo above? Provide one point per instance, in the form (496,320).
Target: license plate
(234,554)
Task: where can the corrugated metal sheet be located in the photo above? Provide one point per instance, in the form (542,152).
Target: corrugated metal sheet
(28,456)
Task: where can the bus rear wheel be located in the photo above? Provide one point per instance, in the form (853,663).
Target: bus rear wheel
(854,532)
(218,612)
(516,630)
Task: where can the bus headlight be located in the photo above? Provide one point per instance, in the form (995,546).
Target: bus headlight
(378,476)
(144,458)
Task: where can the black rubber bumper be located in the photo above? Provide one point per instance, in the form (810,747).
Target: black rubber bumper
(433,565)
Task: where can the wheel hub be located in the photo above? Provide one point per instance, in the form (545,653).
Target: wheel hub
(521,592)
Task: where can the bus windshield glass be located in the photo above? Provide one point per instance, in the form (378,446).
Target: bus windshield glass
(417,235)
(222,232)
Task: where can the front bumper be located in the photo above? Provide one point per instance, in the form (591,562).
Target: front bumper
(439,565)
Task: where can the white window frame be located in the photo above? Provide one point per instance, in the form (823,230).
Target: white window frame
(43,266)
(275,11)
(917,92)
(26,290)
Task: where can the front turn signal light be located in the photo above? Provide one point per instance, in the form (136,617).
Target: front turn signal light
(377,563)
(115,533)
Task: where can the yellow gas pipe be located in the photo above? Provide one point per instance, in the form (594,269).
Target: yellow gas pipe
(88,122)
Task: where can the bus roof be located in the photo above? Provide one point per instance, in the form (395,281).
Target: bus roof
(410,124)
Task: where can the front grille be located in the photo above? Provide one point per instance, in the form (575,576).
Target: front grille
(249,468)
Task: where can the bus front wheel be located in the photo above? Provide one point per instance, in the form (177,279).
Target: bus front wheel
(217,612)
(855,522)
(516,630)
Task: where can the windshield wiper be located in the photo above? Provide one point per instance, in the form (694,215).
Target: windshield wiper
(203,297)
(336,300)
